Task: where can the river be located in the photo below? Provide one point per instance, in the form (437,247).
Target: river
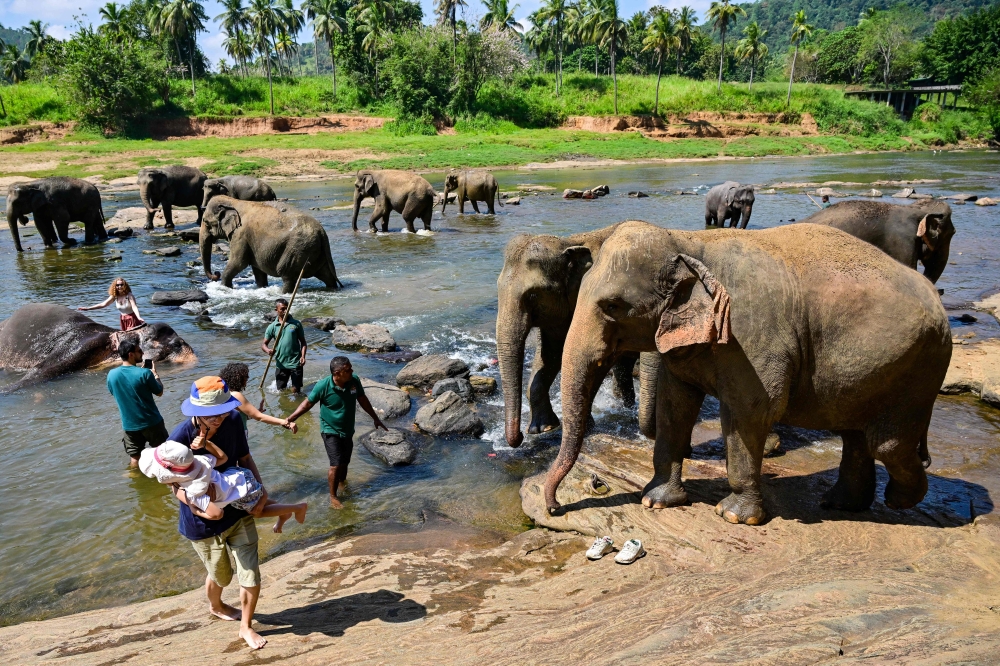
(79,530)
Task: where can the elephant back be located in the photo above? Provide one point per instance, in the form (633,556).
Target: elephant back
(34,331)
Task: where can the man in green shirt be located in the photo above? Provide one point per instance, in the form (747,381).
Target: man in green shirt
(133,387)
(290,351)
(339,395)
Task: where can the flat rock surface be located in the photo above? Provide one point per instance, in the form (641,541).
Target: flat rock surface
(363,337)
(178,297)
(398,356)
(455,384)
(388,401)
(971,364)
(323,323)
(425,371)
(449,415)
(389,446)
(135,217)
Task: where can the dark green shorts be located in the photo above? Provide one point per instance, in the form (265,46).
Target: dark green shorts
(136,440)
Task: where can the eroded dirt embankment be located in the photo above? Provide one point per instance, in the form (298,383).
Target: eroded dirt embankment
(700,124)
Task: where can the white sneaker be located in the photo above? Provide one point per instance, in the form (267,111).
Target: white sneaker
(630,552)
(601,547)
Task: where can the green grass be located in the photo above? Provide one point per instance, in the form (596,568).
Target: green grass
(32,102)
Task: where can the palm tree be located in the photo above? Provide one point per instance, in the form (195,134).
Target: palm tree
(37,38)
(328,21)
(373,23)
(752,48)
(800,30)
(239,49)
(292,22)
(606,27)
(446,11)
(501,15)
(114,25)
(553,14)
(661,38)
(234,23)
(685,21)
(721,14)
(13,64)
(183,18)
(575,31)
(264,18)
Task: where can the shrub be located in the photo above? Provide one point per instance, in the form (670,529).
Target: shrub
(858,118)
(482,123)
(929,112)
(420,71)
(408,126)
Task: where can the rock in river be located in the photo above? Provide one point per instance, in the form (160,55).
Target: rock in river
(324,323)
(388,401)
(389,446)
(399,356)
(456,384)
(364,338)
(425,371)
(178,297)
(483,385)
(449,415)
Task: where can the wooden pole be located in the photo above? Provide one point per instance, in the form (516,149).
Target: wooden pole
(814,201)
(281,329)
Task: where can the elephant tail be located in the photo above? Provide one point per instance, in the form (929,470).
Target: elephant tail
(329,262)
(499,199)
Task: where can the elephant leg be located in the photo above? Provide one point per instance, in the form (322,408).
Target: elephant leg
(721,216)
(375,216)
(385,218)
(260,277)
(744,455)
(709,220)
(907,477)
(855,487)
(548,360)
(168,216)
(45,229)
(409,213)
(677,408)
(150,214)
(475,206)
(461,205)
(623,386)
(426,216)
(489,204)
(60,220)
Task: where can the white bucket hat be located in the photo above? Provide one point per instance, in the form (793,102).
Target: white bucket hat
(172,462)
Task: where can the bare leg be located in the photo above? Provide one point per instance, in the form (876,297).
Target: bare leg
(284,512)
(215,605)
(248,602)
(333,479)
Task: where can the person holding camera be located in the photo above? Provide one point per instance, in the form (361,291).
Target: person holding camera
(133,385)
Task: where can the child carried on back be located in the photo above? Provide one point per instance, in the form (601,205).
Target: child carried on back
(207,491)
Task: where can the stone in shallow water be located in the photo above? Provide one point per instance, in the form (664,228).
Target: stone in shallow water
(456,384)
(323,323)
(363,337)
(399,356)
(425,371)
(390,446)
(449,415)
(178,297)
(388,401)
(483,385)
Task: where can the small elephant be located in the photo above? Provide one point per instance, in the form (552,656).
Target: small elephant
(918,232)
(168,187)
(54,203)
(400,191)
(729,201)
(245,188)
(471,186)
(802,324)
(271,240)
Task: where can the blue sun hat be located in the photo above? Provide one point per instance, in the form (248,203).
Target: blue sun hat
(209,397)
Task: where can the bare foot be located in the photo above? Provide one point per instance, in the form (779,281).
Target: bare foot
(335,503)
(253,639)
(300,515)
(281,522)
(227,612)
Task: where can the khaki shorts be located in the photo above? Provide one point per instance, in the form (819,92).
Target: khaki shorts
(241,541)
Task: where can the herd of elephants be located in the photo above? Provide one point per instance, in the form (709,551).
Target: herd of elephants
(823,324)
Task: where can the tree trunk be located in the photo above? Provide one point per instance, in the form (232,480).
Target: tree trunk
(270,83)
(3,109)
(614,73)
(177,45)
(316,54)
(191,62)
(791,76)
(722,58)
(659,73)
(678,62)
(333,59)
(753,65)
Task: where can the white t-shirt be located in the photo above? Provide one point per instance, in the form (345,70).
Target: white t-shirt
(228,486)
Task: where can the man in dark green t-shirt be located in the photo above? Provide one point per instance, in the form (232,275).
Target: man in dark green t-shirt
(133,387)
(290,351)
(339,394)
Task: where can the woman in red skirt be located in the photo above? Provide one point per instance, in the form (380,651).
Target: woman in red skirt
(120,294)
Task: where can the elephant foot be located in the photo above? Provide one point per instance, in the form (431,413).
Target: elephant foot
(771,444)
(739,508)
(846,496)
(662,494)
(148,226)
(69,242)
(901,497)
(168,226)
(542,424)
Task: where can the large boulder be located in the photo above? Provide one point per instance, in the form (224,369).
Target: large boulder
(389,446)
(323,323)
(449,415)
(398,356)
(425,371)
(455,384)
(388,401)
(178,297)
(363,338)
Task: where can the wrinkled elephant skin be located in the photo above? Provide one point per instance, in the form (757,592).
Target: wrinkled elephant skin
(170,186)
(729,201)
(406,193)
(471,186)
(54,203)
(244,188)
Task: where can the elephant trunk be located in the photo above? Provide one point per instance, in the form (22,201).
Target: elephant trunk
(358,196)
(444,200)
(12,223)
(205,241)
(745,216)
(935,264)
(146,201)
(649,370)
(512,331)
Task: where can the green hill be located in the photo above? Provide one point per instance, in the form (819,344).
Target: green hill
(16,37)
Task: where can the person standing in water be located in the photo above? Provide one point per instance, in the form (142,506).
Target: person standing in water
(236,376)
(120,294)
(133,387)
(290,351)
(339,394)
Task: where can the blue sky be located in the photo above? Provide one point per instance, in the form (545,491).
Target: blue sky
(60,15)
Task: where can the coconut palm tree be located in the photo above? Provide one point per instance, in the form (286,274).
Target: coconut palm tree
(661,38)
(13,64)
(800,31)
(234,23)
(685,20)
(264,17)
(293,21)
(722,14)
(553,14)
(373,23)
(501,15)
(447,14)
(575,32)
(540,38)
(752,48)
(239,48)
(114,24)
(184,18)
(36,38)
(328,21)
(606,29)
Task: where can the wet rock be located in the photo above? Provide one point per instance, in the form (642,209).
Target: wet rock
(572,194)
(638,195)
(990,393)
(964,196)
(872,193)
(363,338)
(168,251)
(389,446)
(455,384)
(449,415)
(966,318)
(601,190)
(114,240)
(769,190)
(973,366)
(323,323)
(190,235)
(398,356)
(439,198)
(388,401)
(178,297)
(828,192)
(114,257)
(588,194)
(987,201)
(904,193)
(221,247)
(425,371)
(483,385)
(916,195)
(514,201)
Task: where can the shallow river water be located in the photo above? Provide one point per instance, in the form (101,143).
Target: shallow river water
(78,530)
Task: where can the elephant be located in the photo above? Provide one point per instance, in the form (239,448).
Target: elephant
(801,324)
(170,186)
(729,201)
(47,340)
(400,191)
(538,287)
(471,186)
(918,232)
(245,188)
(55,202)
(271,240)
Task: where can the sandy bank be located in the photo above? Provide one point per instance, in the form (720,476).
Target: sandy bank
(700,124)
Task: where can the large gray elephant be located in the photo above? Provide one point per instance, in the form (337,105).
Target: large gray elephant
(170,186)
(803,325)
(918,232)
(537,288)
(729,201)
(471,186)
(54,203)
(46,340)
(401,191)
(245,188)
(272,240)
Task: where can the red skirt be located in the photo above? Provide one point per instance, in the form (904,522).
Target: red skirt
(130,321)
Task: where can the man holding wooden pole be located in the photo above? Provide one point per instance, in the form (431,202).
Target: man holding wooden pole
(289,351)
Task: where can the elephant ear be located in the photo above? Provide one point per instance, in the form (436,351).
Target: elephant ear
(697,310)
(731,195)
(930,229)
(370,187)
(578,261)
(229,220)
